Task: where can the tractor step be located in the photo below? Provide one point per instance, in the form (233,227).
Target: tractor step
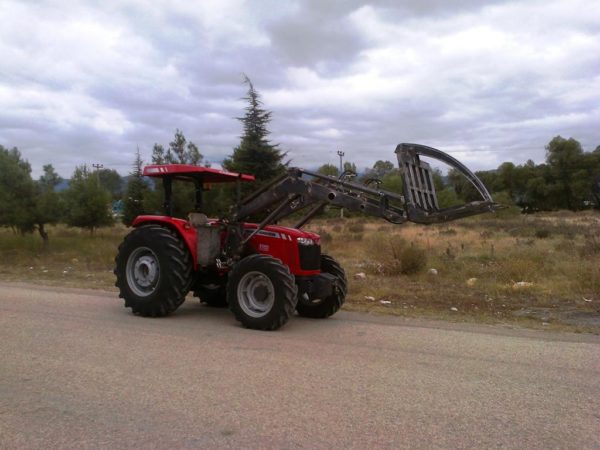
(419,190)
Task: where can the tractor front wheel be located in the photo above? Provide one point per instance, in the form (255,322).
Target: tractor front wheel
(261,292)
(153,269)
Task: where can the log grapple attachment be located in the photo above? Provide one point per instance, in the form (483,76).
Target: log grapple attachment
(420,198)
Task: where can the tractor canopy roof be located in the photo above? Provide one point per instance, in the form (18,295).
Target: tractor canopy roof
(191,172)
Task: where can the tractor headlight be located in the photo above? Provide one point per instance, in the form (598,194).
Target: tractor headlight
(305,241)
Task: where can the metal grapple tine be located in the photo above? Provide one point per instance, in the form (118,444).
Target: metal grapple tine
(419,190)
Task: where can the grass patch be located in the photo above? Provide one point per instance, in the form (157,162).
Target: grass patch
(487,266)
(73,257)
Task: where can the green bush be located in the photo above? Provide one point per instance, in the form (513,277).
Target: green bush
(395,256)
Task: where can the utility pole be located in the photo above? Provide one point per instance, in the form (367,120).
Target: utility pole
(341,155)
(98,167)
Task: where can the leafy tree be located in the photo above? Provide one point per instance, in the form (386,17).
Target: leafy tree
(464,190)
(350,167)
(380,169)
(392,181)
(24,204)
(137,190)
(507,178)
(110,180)
(566,162)
(87,202)
(49,179)
(17,191)
(255,155)
(328,169)
(48,205)
(438,180)
(447,197)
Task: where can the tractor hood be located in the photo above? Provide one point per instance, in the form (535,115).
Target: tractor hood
(286,233)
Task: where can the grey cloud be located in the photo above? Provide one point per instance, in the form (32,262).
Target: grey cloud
(308,38)
(91,83)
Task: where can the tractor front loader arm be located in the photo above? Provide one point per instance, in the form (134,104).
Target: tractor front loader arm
(300,189)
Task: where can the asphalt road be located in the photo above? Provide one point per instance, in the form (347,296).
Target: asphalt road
(77,370)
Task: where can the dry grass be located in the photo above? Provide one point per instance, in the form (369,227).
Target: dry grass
(73,258)
(487,268)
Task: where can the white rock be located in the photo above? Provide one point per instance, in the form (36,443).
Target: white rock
(360,276)
(385,302)
(369,298)
(432,271)
(522,285)
(471,281)
(454,308)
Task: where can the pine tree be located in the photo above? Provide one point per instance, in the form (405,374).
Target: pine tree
(180,151)
(136,192)
(158,154)
(256,155)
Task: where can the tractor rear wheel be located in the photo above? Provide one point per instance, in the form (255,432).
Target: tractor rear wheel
(153,269)
(321,308)
(261,292)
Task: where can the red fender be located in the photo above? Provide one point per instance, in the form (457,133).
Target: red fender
(180,226)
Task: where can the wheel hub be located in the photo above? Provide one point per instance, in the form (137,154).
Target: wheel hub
(142,271)
(145,270)
(256,294)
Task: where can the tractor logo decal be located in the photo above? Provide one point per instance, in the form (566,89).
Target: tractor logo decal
(271,234)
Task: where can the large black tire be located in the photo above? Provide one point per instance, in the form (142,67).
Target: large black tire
(261,292)
(322,308)
(214,295)
(153,269)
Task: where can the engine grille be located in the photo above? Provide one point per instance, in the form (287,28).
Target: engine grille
(310,257)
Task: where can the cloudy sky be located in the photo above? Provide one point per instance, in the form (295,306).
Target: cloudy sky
(88,81)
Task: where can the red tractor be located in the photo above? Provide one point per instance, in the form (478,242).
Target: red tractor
(263,271)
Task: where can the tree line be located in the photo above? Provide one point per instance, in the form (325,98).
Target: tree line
(28,205)
(568,179)
(563,181)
